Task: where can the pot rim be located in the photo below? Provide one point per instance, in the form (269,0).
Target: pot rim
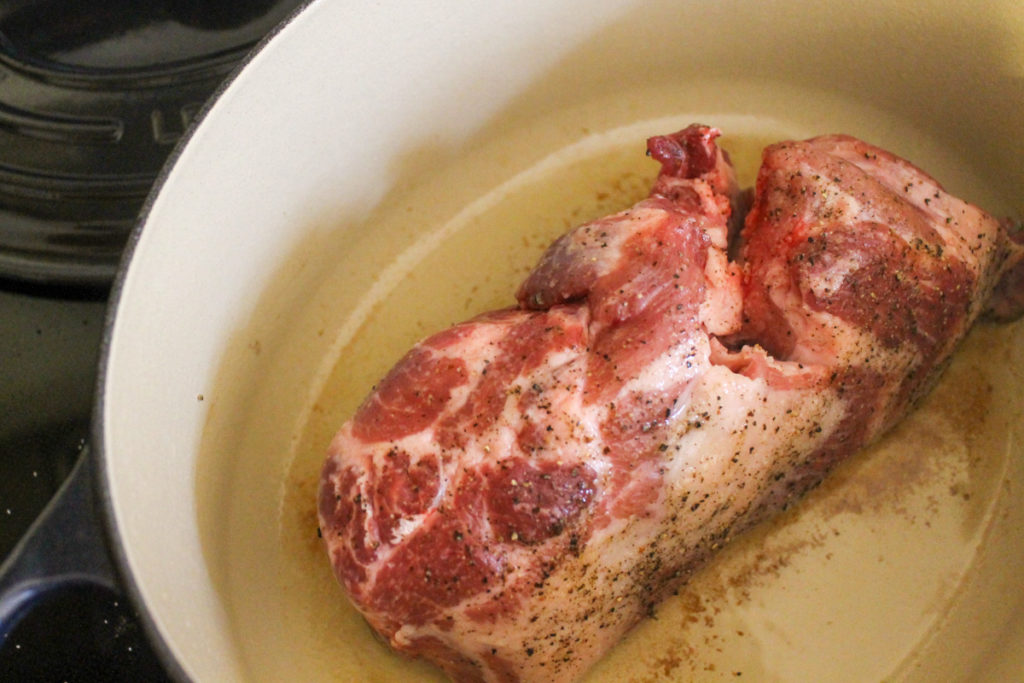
(98,447)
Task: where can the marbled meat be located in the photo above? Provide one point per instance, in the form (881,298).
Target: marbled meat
(523,488)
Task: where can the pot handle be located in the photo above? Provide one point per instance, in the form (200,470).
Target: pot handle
(64,547)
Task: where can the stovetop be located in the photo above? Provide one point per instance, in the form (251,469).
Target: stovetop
(49,350)
(93,97)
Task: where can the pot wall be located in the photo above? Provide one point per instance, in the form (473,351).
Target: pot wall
(233,309)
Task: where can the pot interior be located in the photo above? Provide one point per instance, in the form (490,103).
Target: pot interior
(318,224)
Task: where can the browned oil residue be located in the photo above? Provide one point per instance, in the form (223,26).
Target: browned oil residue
(766,565)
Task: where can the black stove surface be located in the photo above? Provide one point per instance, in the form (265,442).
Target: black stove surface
(83,634)
(93,96)
(49,349)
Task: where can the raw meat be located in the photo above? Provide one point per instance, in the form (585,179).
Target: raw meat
(523,488)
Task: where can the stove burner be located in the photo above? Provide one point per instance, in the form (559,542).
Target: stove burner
(93,97)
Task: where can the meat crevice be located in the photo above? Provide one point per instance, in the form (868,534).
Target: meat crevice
(523,488)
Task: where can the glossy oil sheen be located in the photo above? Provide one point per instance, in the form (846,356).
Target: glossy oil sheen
(826,591)
(361,129)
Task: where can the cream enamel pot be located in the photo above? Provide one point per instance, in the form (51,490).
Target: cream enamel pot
(339,198)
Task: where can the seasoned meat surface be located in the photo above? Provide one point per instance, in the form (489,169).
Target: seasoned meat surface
(521,489)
